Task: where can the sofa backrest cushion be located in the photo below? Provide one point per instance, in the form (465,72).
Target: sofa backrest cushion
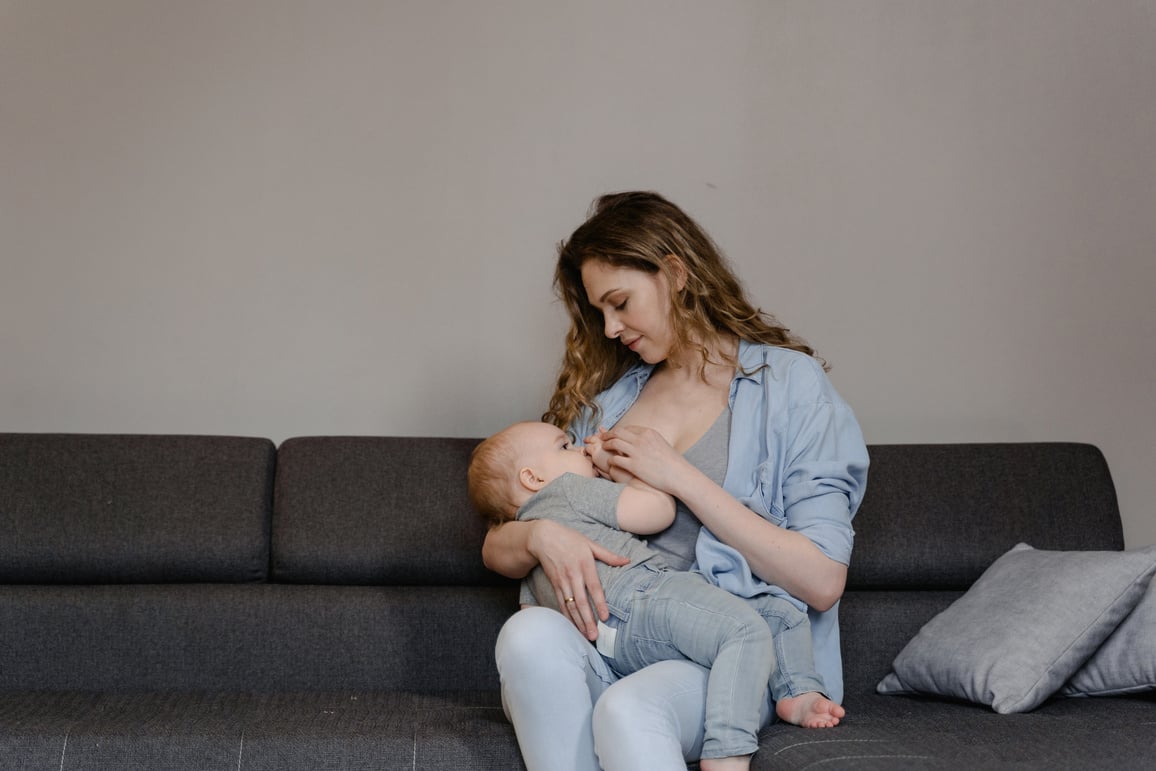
(936,516)
(376,510)
(103,508)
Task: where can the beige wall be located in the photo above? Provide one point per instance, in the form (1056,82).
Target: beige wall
(275,217)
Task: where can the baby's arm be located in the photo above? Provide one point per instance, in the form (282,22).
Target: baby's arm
(642,509)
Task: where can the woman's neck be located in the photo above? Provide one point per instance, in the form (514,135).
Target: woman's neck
(722,355)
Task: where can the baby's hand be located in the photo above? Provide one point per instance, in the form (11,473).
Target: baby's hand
(598,454)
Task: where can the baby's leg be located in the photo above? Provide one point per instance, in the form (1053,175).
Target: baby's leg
(716,629)
(738,763)
(683,615)
(796,687)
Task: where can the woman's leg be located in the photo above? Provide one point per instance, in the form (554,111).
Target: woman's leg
(551,676)
(654,718)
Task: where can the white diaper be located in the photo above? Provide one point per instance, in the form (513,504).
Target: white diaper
(605,641)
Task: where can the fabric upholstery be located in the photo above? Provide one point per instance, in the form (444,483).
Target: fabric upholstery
(369,643)
(376,510)
(338,730)
(90,508)
(979,500)
(882,733)
(264,637)
(875,626)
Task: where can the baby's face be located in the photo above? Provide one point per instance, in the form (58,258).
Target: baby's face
(547,450)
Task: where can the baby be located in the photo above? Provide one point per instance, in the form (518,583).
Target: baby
(531,471)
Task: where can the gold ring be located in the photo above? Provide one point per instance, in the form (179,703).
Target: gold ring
(569,599)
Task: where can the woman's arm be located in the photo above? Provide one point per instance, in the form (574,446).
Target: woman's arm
(775,554)
(506,549)
(567,557)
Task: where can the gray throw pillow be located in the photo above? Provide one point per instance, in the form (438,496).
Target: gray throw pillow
(1029,622)
(1126,662)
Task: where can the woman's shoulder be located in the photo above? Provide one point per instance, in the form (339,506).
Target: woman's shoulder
(787,376)
(778,362)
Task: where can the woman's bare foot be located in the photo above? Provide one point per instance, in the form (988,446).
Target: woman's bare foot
(810,710)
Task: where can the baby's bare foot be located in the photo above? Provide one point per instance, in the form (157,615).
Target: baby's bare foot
(810,710)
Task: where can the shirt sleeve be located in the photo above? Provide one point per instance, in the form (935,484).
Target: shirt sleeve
(807,472)
(596,499)
(825,475)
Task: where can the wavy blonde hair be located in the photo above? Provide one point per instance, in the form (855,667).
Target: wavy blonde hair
(641,230)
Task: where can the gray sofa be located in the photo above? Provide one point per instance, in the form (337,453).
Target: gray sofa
(201,602)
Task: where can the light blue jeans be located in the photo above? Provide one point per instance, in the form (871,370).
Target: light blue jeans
(748,644)
(570,710)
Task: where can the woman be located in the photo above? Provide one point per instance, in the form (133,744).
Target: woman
(742,426)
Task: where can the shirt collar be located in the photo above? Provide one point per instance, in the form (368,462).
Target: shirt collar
(752,361)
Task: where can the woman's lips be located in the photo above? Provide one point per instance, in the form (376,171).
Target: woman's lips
(631,345)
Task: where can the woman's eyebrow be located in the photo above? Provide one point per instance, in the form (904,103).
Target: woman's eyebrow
(607,293)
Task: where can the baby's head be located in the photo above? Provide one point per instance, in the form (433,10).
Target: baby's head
(513,464)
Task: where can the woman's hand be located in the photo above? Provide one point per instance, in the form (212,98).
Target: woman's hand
(567,557)
(646,454)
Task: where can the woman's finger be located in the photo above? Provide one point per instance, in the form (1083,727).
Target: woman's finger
(583,618)
(568,604)
(575,606)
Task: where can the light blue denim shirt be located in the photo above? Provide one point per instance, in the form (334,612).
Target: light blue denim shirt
(796,458)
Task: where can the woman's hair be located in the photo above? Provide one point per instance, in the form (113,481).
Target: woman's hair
(641,230)
(488,478)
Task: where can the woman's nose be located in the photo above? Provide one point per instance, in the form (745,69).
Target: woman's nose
(613,327)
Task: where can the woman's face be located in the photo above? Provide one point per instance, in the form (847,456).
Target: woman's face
(635,307)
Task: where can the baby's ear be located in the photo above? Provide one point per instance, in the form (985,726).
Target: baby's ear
(529,479)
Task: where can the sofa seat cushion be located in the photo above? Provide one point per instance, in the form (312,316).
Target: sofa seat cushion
(306,731)
(250,637)
(884,733)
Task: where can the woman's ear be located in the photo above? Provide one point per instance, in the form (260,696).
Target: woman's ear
(529,479)
(678,271)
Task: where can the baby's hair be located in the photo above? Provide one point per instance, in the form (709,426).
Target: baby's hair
(491,464)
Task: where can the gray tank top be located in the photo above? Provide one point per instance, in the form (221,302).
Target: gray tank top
(708,455)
